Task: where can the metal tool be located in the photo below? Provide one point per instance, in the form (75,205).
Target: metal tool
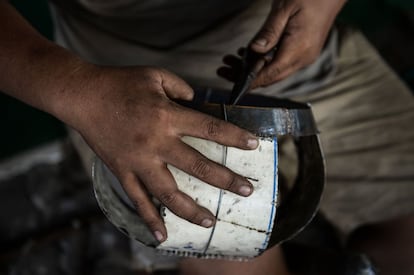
(252,64)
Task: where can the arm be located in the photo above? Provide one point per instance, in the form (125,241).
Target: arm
(125,115)
(299,28)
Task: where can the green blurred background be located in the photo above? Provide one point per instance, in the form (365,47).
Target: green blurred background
(388,24)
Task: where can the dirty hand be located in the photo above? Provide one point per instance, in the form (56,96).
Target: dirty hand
(132,124)
(125,115)
(299,28)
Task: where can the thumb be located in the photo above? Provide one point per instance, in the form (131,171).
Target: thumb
(174,87)
(271,31)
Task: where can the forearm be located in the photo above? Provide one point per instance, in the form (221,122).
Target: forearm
(35,70)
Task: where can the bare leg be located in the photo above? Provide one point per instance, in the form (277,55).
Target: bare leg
(269,263)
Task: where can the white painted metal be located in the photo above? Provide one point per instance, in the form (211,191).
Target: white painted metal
(243,225)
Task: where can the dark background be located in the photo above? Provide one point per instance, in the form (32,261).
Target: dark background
(388,24)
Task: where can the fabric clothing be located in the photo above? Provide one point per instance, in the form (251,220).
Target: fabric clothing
(365,116)
(152,23)
(363,110)
(194,60)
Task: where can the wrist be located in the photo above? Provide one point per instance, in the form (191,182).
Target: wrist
(44,75)
(72,90)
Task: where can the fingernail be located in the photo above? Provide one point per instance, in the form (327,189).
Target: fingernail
(252,143)
(158,235)
(261,42)
(245,190)
(207,223)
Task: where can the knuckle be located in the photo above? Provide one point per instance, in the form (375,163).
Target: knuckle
(194,216)
(162,117)
(269,31)
(276,70)
(162,71)
(212,127)
(161,112)
(201,168)
(168,198)
(231,182)
(269,76)
(152,74)
(139,206)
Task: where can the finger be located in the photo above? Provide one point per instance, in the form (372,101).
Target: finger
(145,208)
(175,87)
(194,163)
(289,58)
(196,124)
(162,185)
(271,31)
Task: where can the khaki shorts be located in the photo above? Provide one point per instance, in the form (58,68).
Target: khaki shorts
(366,119)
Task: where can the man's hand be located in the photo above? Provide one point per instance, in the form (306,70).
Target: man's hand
(127,117)
(299,29)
